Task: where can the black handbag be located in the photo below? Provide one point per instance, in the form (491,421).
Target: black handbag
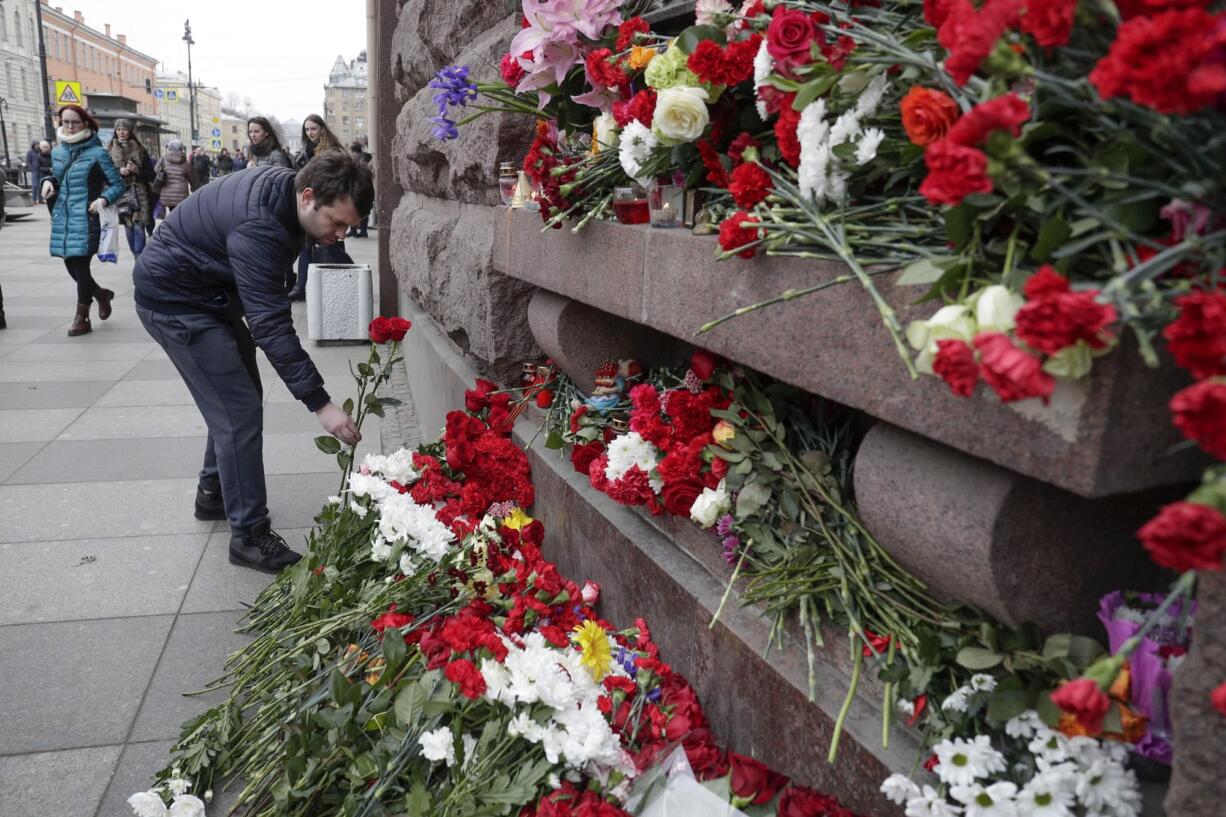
(128,204)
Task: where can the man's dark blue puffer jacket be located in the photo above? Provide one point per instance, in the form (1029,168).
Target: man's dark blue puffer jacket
(228,249)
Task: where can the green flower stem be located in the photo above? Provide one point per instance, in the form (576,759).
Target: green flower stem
(857,661)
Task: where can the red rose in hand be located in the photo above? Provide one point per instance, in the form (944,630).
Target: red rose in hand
(954,172)
(1085,701)
(1012,373)
(1197,338)
(789,38)
(754,781)
(955,364)
(1218,698)
(1200,413)
(679,495)
(463,673)
(582,456)
(382,329)
(927,115)
(798,801)
(1186,536)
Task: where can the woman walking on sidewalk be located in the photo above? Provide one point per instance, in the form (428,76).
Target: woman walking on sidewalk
(316,138)
(265,145)
(173,178)
(136,206)
(83,182)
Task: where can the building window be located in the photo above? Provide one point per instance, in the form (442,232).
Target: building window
(4,28)
(17,28)
(8,77)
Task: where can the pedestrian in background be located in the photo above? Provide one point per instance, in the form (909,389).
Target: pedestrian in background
(202,166)
(225,163)
(265,148)
(317,137)
(136,205)
(32,168)
(44,164)
(174,178)
(360,153)
(83,182)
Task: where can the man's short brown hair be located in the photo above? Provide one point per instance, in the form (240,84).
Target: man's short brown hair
(335,174)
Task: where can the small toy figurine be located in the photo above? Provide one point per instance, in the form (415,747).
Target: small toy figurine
(610,384)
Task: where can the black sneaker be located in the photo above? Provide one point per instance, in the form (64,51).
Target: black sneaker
(210,507)
(262,549)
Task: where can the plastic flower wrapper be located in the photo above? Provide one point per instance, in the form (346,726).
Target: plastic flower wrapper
(1153,662)
(671,788)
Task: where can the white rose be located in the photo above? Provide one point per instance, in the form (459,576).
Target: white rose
(995,308)
(710,505)
(604,130)
(681,114)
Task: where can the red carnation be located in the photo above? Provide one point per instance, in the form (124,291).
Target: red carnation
(382,329)
(603,72)
(750,185)
(1012,373)
(732,236)
(754,781)
(799,801)
(1044,283)
(581,456)
(970,35)
(463,673)
(512,72)
(641,107)
(391,619)
(1197,338)
(1218,698)
(1162,61)
(742,142)
(1186,536)
(738,60)
(1085,701)
(716,174)
(707,62)
(785,132)
(1005,112)
(1200,413)
(627,30)
(789,38)
(1056,320)
(1049,21)
(1139,8)
(954,172)
(955,364)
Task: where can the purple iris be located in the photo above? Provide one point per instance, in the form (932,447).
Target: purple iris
(654,695)
(454,89)
(444,128)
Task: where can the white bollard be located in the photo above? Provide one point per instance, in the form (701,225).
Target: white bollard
(340,301)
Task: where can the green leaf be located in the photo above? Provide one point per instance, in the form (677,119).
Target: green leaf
(689,39)
(1055,231)
(327,444)
(751,499)
(409,703)
(977,658)
(376,409)
(959,224)
(348,405)
(925,271)
(391,401)
(365,370)
(418,801)
(393,648)
(554,441)
(812,89)
(338,686)
(1008,700)
(1078,649)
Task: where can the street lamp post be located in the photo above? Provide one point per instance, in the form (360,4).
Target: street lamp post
(191,86)
(4,132)
(42,62)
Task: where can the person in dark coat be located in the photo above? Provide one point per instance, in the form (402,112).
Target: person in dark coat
(32,168)
(225,163)
(83,182)
(130,156)
(357,150)
(224,254)
(202,166)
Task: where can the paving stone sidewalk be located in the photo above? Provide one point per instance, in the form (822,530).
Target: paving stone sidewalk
(114,600)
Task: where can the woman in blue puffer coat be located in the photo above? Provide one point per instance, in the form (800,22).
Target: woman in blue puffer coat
(83,181)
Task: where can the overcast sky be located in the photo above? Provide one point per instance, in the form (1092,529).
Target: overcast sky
(278,53)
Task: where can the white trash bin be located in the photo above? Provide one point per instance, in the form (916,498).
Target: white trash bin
(340,301)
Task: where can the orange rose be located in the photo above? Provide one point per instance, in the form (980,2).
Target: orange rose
(927,115)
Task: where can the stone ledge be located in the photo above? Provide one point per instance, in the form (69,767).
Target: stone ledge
(1108,435)
(645,572)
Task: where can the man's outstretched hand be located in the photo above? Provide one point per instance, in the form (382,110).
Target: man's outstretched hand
(339,424)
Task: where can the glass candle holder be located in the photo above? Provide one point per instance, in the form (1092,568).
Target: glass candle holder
(630,205)
(507,180)
(665,203)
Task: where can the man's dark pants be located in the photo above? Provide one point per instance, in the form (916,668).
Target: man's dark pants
(215,355)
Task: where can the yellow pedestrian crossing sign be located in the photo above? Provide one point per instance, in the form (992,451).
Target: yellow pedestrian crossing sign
(67,93)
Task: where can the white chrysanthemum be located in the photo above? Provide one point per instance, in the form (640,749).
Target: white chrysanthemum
(962,762)
(634,149)
(407,566)
(380,550)
(870,100)
(1049,745)
(177,786)
(470,749)
(958,700)
(710,505)
(334,500)
(898,788)
(369,485)
(846,128)
(1023,725)
(396,466)
(812,132)
(866,148)
(186,805)
(147,804)
(360,510)
(837,186)
(438,745)
(630,450)
(403,520)
(1047,794)
(905,707)
(1107,787)
(763,65)
(705,11)
(996,800)
(982,682)
(930,804)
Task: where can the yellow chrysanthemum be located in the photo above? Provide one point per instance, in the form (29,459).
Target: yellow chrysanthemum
(517,520)
(594,644)
(641,56)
